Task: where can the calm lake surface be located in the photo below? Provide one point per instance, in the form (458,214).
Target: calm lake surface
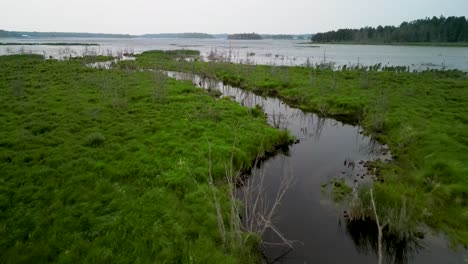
(278,52)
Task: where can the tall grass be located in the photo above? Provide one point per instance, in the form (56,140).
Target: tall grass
(96,168)
(420,115)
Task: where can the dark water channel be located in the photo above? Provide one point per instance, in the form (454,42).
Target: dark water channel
(307,214)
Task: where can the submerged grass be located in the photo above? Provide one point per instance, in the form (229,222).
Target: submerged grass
(422,116)
(94,169)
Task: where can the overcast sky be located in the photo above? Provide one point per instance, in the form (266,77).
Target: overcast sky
(216,16)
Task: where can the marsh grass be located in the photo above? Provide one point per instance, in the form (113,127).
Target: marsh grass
(93,169)
(420,115)
(160,86)
(389,227)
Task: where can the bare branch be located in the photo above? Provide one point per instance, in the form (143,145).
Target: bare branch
(378,227)
(219,215)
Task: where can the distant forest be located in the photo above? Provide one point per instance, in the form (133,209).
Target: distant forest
(179,35)
(244,36)
(195,35)
(278,36)
(22,34)
(450,29)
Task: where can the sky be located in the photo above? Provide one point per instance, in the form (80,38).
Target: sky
(216,16)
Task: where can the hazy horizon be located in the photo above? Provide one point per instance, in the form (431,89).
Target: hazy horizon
(215,17)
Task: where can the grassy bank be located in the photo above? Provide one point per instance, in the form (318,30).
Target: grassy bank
(111,166)
(419,44)
(421,116)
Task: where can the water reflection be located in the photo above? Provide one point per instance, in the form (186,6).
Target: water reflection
(279,115)
(326,148)
(259,52)
(108,64)
(398,250)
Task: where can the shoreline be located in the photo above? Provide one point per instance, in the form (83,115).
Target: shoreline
(409,44)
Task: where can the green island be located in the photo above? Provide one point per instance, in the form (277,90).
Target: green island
(178,35)
(121,166)
(422,116)
(245,36)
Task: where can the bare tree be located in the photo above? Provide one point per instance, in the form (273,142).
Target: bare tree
(160,87)
(259,210)
(379,227)
(219,215)
(251,211)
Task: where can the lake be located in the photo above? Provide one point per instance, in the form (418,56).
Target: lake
(277,52)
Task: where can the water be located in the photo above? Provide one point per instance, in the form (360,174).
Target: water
(307,215)
(278,52)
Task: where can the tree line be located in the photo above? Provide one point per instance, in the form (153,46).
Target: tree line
(277,36)
(34,34)
(244,36)
(435,29)
(179,35)
(24,34)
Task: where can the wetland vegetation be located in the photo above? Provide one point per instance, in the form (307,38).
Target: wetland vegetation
(126,164)
(120,165)
(420,115)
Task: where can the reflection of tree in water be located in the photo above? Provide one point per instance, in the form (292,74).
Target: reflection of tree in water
(311,126)
(371,146)
(396,249)
(277,119)
(319,124)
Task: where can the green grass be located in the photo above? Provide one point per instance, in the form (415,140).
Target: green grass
(422,116)
(337,189)
(92,58)
(96,168)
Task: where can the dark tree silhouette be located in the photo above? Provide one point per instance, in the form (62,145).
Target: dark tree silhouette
(450,29)
(245,36)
